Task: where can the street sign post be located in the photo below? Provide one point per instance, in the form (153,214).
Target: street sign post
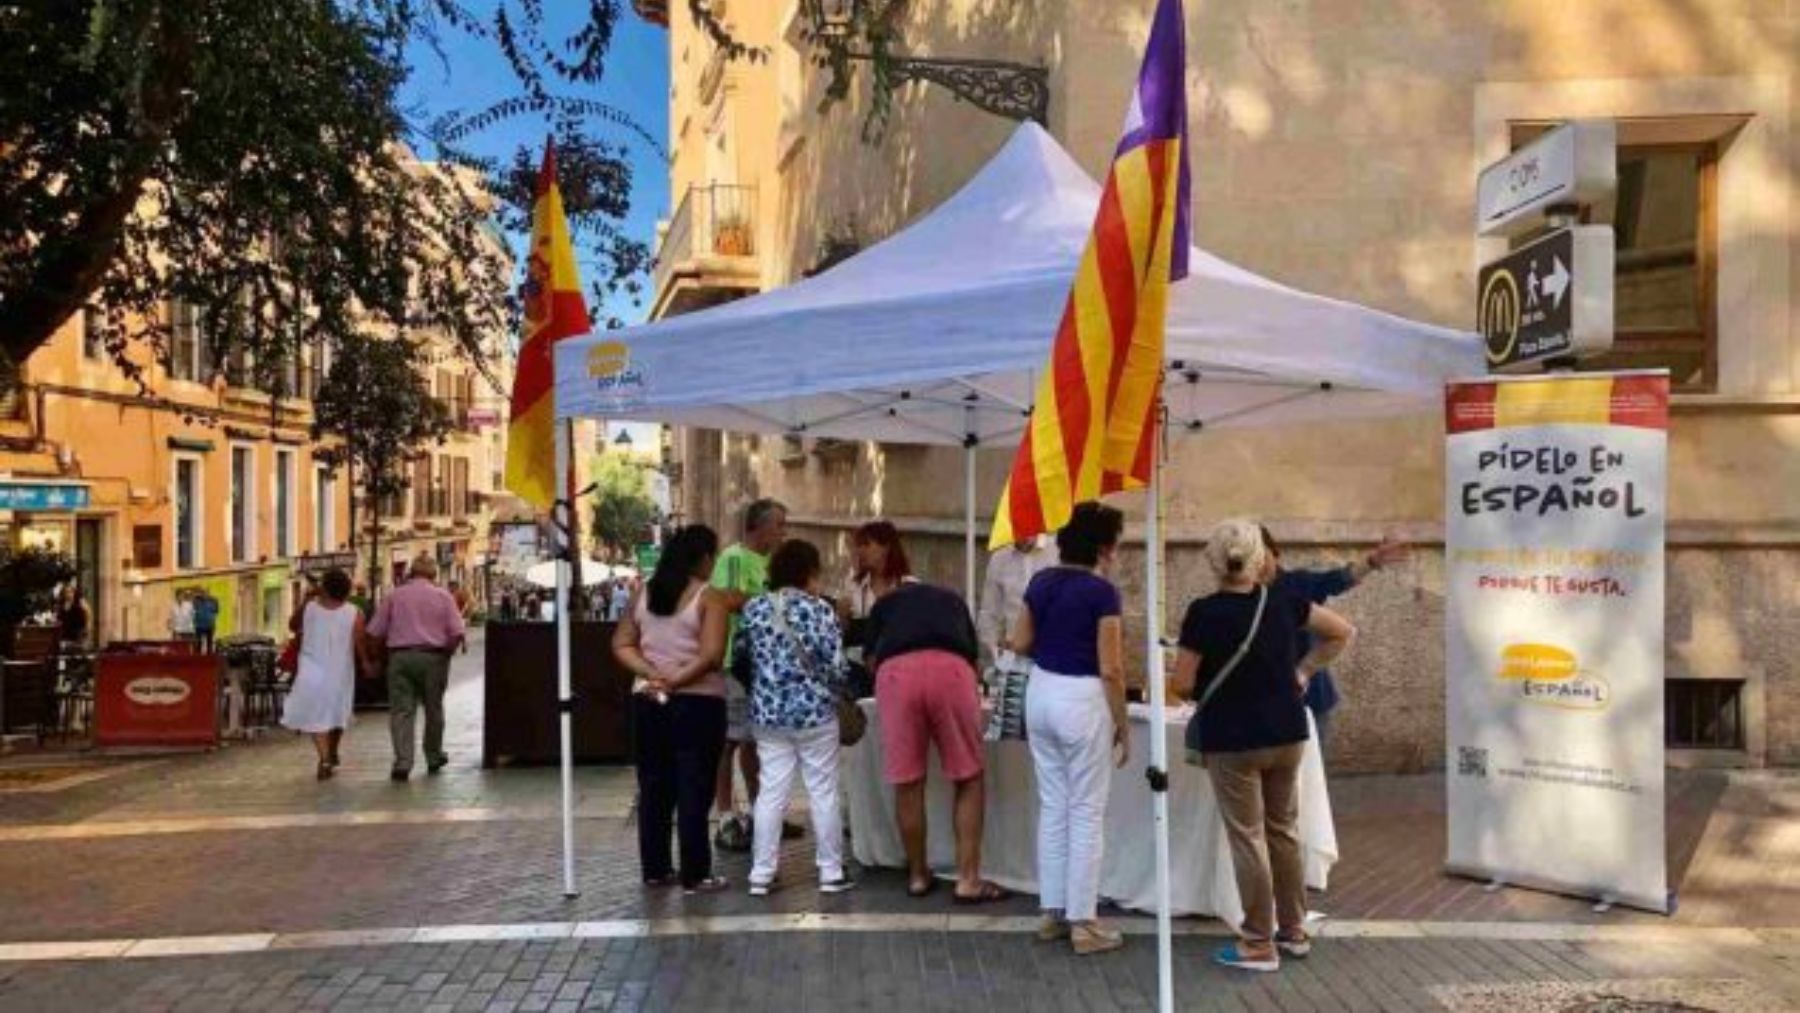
(1550,300)
(1573,165)
(647,556)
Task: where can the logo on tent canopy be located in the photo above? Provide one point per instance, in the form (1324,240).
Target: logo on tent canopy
(615,377)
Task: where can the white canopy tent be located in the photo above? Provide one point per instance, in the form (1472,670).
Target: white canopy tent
(936,334)
(593,573)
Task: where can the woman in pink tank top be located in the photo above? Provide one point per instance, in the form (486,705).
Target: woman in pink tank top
(672,640)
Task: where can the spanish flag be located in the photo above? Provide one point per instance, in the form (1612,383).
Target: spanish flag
(553,310)
(1094,422)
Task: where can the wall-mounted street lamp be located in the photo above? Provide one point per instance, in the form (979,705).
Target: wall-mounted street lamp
(1016,91)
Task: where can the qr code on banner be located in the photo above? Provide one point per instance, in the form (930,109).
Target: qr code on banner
(1471,762)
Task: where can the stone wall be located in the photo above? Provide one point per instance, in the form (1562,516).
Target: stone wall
(1732,614)
(1336,144)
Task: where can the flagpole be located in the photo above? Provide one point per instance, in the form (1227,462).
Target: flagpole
(565,699)
(1159,729)
(970,443)
(577,586)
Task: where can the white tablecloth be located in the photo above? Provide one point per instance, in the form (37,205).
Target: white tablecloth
(1202,882)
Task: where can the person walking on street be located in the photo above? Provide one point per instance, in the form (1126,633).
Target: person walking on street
(1009,573)
(1074,716)
(421,629)
(1237,661)
(1319,587)
(922,646)
(672,640)
(181,616)
(324,691)
(619,602)
(795,647)
(206,619)
(742,573)
(465,607)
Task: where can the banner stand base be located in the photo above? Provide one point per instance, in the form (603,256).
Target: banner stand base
(1604,902)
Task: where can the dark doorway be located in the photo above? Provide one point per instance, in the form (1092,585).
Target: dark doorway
(88,546)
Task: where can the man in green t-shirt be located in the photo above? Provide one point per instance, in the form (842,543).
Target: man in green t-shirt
(742,573)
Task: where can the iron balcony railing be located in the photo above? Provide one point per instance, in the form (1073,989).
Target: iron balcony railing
(715,220)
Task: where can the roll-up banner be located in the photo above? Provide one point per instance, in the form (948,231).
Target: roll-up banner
(1555,515)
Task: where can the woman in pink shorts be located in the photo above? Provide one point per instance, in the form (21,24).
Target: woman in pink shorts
(923,647)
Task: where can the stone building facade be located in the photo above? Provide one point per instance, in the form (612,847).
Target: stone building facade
(1335,148)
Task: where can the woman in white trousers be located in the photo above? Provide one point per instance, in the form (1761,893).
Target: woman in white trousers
(1075,720)
(797,656)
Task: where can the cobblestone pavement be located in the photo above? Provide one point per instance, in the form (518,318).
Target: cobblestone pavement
(798,972)
(244,841)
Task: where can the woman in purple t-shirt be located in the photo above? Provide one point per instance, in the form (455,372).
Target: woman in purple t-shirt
(1075,717)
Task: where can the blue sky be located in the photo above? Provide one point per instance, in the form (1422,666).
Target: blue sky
(471,74)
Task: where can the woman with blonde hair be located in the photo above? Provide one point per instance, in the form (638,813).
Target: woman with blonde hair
(1238,662)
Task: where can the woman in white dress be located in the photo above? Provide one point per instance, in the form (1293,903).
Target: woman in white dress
(324,690)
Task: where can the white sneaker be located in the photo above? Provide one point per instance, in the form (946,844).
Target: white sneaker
(842,884)
(1298,946)
(761,889)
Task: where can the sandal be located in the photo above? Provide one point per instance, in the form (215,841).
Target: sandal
(324,772)
(925,889)
(657,882)
(711,884)
(986,893)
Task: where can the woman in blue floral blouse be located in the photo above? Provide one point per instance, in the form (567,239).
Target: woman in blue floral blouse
(797,654)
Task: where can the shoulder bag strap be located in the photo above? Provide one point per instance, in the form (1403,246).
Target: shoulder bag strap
(1262,599)
(778,610)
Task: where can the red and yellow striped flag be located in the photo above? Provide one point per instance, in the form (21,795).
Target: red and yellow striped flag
(1094,423)
(554,310)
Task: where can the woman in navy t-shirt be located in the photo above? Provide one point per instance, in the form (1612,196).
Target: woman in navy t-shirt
(1075,716)
(1251,729)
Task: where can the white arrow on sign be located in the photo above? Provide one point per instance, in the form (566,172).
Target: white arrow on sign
(1556,282)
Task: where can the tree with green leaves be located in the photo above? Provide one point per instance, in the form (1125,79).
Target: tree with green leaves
(250,160)
(623,508)
(244,159)
(29,578)
(376,408)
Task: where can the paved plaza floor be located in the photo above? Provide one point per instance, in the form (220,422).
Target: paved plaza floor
(233,880)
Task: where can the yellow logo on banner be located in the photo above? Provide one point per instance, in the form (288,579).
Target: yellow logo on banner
(1536,661)
(608,358)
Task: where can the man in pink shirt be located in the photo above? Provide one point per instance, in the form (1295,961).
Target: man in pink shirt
(421,627)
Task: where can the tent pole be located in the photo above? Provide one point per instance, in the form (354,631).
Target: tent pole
(564,698)
(969,522)
(1159,729)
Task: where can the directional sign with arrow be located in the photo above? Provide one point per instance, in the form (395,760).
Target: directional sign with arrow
(1556,283)
(1551,299)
